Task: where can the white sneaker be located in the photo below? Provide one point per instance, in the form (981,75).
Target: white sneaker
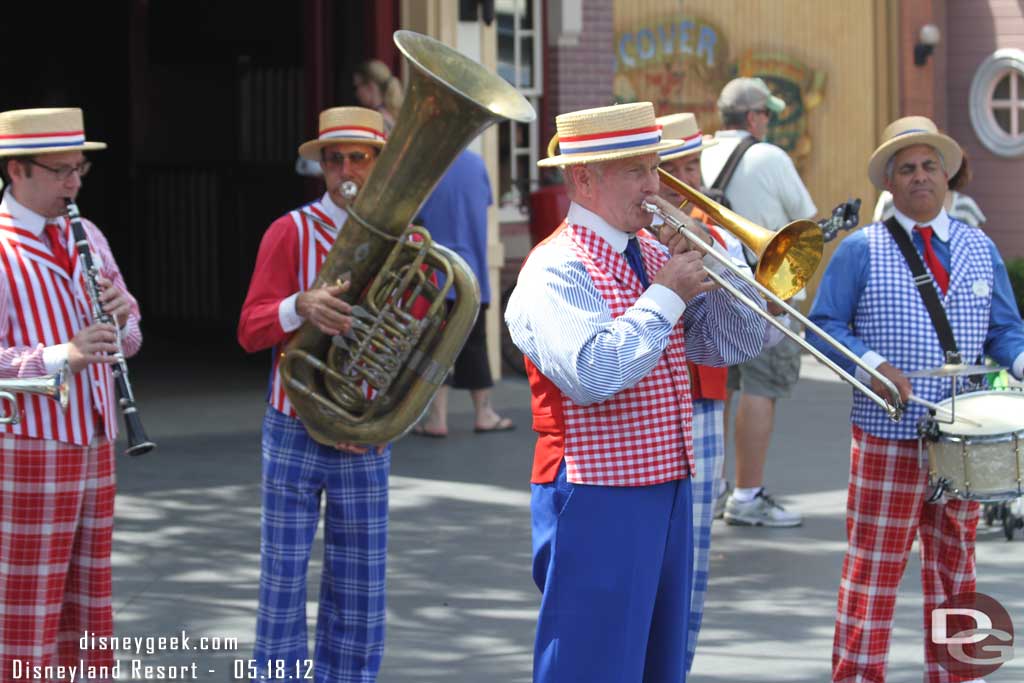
(719,509)
(762,511)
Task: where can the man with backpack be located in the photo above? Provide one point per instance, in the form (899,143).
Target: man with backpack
(760,183)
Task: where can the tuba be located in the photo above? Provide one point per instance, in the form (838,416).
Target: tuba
(373,383)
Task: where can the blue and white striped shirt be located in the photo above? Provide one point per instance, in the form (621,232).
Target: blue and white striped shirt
(560,321)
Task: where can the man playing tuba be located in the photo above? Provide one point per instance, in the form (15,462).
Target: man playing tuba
(296,468)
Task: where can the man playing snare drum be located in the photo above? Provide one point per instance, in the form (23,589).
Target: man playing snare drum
(869,302)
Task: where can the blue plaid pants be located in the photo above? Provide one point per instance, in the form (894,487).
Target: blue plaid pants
(708,453)
(350,622)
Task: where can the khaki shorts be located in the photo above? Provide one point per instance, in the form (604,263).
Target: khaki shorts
(771,374)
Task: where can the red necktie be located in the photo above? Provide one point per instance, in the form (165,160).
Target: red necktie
(932,259)
(60,252)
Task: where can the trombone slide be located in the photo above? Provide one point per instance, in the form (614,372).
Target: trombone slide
(893,407)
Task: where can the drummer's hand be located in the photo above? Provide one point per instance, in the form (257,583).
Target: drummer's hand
(676,243)
(895,376)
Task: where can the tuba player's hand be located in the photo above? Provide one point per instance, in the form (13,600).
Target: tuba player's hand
(325,310)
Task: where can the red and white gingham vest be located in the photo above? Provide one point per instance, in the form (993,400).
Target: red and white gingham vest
(315,239)
(641,436)
(48,307)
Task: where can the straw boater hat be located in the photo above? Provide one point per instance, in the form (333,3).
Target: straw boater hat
(908,131)
(685,128)
(606,133)
(25,132)
(345,124)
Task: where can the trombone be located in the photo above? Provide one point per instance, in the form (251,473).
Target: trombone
(786,261)
(55,386)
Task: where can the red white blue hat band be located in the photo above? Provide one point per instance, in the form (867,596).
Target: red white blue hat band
(610,141)
(32,141)
(352,132)
(692,142)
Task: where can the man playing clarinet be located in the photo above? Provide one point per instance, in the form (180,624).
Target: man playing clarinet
(56,468)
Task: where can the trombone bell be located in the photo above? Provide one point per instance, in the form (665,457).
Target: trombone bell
(54,386)
(786,259)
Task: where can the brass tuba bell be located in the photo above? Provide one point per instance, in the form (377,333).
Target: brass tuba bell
(372,384)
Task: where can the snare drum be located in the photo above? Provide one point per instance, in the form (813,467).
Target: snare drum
(979,463)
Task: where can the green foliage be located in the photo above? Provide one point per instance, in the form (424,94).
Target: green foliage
(1015,268)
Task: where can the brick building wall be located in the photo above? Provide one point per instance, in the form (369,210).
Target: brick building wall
(974,30)
(580,76)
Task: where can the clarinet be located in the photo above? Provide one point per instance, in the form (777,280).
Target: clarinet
(138,442)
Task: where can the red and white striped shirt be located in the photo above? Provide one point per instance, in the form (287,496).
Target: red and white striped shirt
(41,308)
(291,253)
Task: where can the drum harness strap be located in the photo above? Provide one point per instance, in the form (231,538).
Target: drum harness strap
(926,289)
(930,297)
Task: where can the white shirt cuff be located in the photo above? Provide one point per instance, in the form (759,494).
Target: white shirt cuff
(287,315)
(1018,366)
(54,357)
(872,360)
(664,301)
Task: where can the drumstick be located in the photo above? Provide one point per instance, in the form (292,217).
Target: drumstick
(936,406)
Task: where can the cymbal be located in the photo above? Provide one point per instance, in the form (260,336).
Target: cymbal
(956,370)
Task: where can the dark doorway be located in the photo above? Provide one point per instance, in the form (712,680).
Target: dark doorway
(203,104)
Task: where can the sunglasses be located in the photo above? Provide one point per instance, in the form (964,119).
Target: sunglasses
(354,158)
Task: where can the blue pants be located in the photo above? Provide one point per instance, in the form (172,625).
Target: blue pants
(708,454)
(614,565)
(350,622)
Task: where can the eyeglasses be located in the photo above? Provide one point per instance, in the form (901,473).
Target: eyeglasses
(354,158)
(64,172)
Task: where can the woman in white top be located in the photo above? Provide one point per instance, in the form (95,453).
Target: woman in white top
(958,205)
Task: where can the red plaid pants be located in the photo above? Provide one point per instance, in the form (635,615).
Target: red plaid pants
(57,520)
(885,510)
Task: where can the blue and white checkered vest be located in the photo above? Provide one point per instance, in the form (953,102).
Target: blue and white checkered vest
(892,320)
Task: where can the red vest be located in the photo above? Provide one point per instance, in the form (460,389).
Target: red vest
(315,238)
(708,382)
(48,307)
(642,435)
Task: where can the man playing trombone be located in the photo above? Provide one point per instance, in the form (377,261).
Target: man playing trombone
(607,319)
(870,302)
(56,468)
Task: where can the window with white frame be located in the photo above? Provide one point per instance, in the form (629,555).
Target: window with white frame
(996,102)
(519,63)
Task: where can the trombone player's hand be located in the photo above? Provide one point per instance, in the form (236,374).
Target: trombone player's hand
(676,243)
(325,310)
(896,376)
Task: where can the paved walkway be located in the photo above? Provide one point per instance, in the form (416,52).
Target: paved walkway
(461,605)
